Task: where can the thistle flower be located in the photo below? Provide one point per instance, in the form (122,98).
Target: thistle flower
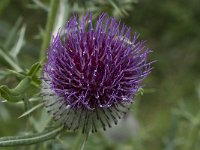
(93,72)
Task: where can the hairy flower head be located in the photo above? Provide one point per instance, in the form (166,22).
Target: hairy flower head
(92,73)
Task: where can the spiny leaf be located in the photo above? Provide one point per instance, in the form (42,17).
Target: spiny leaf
(29,139)
(31,110)
(13,33)
(21,87)
(9,60)
(115,6)
(14,95)
(19,43)
(21,75)
(32,73)
(5,94)
(34,69)
(32,99)
(38,5)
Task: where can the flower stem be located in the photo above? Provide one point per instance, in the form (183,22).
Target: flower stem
(78,144)
(84,141)
(49,26)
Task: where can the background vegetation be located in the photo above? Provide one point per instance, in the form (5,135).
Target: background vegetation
(166,117)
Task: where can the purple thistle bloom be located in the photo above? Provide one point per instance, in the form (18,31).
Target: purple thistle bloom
(93,72)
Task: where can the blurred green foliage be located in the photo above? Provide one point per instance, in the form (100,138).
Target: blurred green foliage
(167,115)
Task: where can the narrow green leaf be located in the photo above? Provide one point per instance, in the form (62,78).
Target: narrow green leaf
(29,139)
(35,98)
(32,73)
(32,99)
(115,6)
(21,75)
(36,81)
(21,87)
(41,5)
(13,33)
(34,69)
(140,91)
(9,60)
(7,96)
(14,95)
(31,110)
(20,42)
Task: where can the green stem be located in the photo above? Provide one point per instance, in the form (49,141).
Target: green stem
(49,26)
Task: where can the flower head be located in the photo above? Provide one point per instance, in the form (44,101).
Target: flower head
(93,72)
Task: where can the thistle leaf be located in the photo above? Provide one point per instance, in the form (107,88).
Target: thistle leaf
(31,110)
(9,60)
(6,95)
(18,45)
(29,139)
(14,95)
(12,35)
(34,69)
(20,75)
